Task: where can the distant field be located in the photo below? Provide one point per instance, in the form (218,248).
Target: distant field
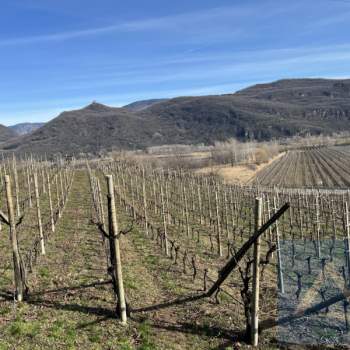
(343,148)
(314,167)
(240,173)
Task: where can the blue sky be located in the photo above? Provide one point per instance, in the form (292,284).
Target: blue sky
(60,55)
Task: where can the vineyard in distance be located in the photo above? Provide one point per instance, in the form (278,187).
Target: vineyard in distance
(230,246)
(313,167)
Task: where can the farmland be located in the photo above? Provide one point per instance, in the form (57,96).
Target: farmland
(174,175)
(317,167)
(163,254)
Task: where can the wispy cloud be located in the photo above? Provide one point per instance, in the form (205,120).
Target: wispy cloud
(209,65)
(178,21)
(201,20)
(59,36)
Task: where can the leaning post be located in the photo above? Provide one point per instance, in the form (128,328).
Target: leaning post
(13,236)
(114,232)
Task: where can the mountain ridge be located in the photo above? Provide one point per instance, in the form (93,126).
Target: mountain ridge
(262,112)
(141,105)
(6,133)
(25,128)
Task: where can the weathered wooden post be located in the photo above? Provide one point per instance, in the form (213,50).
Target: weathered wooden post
(132,198)
(43,179)
(318,227)
(186,216)
(52,219)
(58,197)
(279,256)
(63,195)
(102,212)
(144,193)
(29,188)
(164,214)
(256,276)
(209,202)
(226,213)
(218,224)
(18,209)
(38,211)
(13,236)
(167,202)
(200,205)
(116,253)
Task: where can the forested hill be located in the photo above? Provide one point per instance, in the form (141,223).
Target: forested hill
(6,133)
(262,112)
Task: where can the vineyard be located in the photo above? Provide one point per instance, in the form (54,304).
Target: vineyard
(117,255)
(313,168)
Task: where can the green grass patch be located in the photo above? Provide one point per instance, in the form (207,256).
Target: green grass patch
(145,335)
(129,283)
(5,311)
(21,328)
(151,260)
(124,345)
(44,272)
(63,330)
(95,335)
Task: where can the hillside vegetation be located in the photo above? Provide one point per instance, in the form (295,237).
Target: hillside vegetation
(6,133)
(25,128)
(142,105)
(262,112)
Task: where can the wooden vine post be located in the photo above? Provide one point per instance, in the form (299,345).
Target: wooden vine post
(43,179)
(101,209)
(164,213)
(218,224)
(279,256)
(58,197)
(144,194)
(256,276)
(52,219)
(63,198)
(15,173)
(29,188)
(318,228)
(116,253)
(13,236)
(38,211)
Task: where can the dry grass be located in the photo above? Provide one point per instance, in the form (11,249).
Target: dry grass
(239,173)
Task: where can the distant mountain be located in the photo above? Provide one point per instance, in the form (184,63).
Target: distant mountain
(91,129)
(25,128)
(6,133)
(142,105)
(262,112)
